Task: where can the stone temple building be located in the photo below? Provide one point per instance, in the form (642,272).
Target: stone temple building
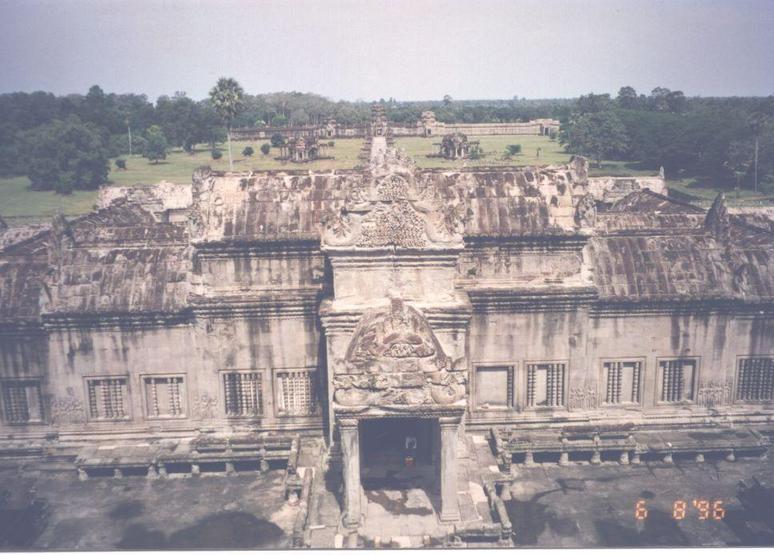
(386,310)
(303,149)
(455,146)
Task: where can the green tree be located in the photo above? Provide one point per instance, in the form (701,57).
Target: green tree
(299,117)
(512,150)
(226,98)
(155,145)
(592,103)
(265,149)
(120,163)
(277,140)
(757,123)
(65,155)
(627,98)
(279,120)
(739,159)
(248,151)
(596,135)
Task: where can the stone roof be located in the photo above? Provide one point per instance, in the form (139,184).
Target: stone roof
(286,206)
(116,260)
(124,259)
(646,211)
(687,253)
(21,286)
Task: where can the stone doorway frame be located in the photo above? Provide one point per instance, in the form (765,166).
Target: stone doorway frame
(449,422)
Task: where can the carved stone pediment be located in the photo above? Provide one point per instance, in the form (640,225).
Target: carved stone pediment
(389,213)
(394,358)
(395,333)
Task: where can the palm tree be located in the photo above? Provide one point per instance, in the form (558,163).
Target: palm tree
(226,98)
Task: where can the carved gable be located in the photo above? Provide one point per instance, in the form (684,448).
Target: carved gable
(394,358)
(389,213)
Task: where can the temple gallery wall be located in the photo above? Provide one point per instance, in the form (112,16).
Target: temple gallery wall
(262,307)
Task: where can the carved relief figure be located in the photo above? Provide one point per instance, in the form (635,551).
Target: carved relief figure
(586,212)
(394,358)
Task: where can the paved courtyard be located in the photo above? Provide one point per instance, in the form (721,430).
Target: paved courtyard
(56,511)
(594,506)
(550,506)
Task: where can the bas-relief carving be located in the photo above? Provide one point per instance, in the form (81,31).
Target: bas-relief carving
(583,397)
(204,406)
(67,410)
(390,213)
(715,393)
(394,358)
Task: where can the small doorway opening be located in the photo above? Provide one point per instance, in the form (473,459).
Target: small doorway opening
(398,453)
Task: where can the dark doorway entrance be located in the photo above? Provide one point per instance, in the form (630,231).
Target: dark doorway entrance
(398,452)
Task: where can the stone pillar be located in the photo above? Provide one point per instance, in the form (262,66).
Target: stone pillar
(449,507)
(437,458)
(350,450)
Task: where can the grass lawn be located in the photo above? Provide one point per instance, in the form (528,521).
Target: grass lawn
(705,194)
(18,204)
(179,165)
(494,147)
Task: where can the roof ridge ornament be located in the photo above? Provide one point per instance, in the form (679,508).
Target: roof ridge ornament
(717,220)
(389,212)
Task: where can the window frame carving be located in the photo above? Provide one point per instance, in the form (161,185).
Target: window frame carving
(185,402)
(126,400)
(564,390)
(603,383)
(659,386)
(315,386)
(261,392)
(512,375)
(37,382)
(738,378)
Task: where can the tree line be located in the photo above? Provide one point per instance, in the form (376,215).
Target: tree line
(65,142)
(724,141)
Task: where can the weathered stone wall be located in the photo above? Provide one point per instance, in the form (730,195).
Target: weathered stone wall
(427,128)
(585,338)
(275,271)
(199,352)
(481,129)
(521,264)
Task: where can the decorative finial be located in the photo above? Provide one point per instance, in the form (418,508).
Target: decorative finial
(717,221)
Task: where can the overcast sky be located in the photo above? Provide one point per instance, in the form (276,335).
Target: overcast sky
(407,49)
